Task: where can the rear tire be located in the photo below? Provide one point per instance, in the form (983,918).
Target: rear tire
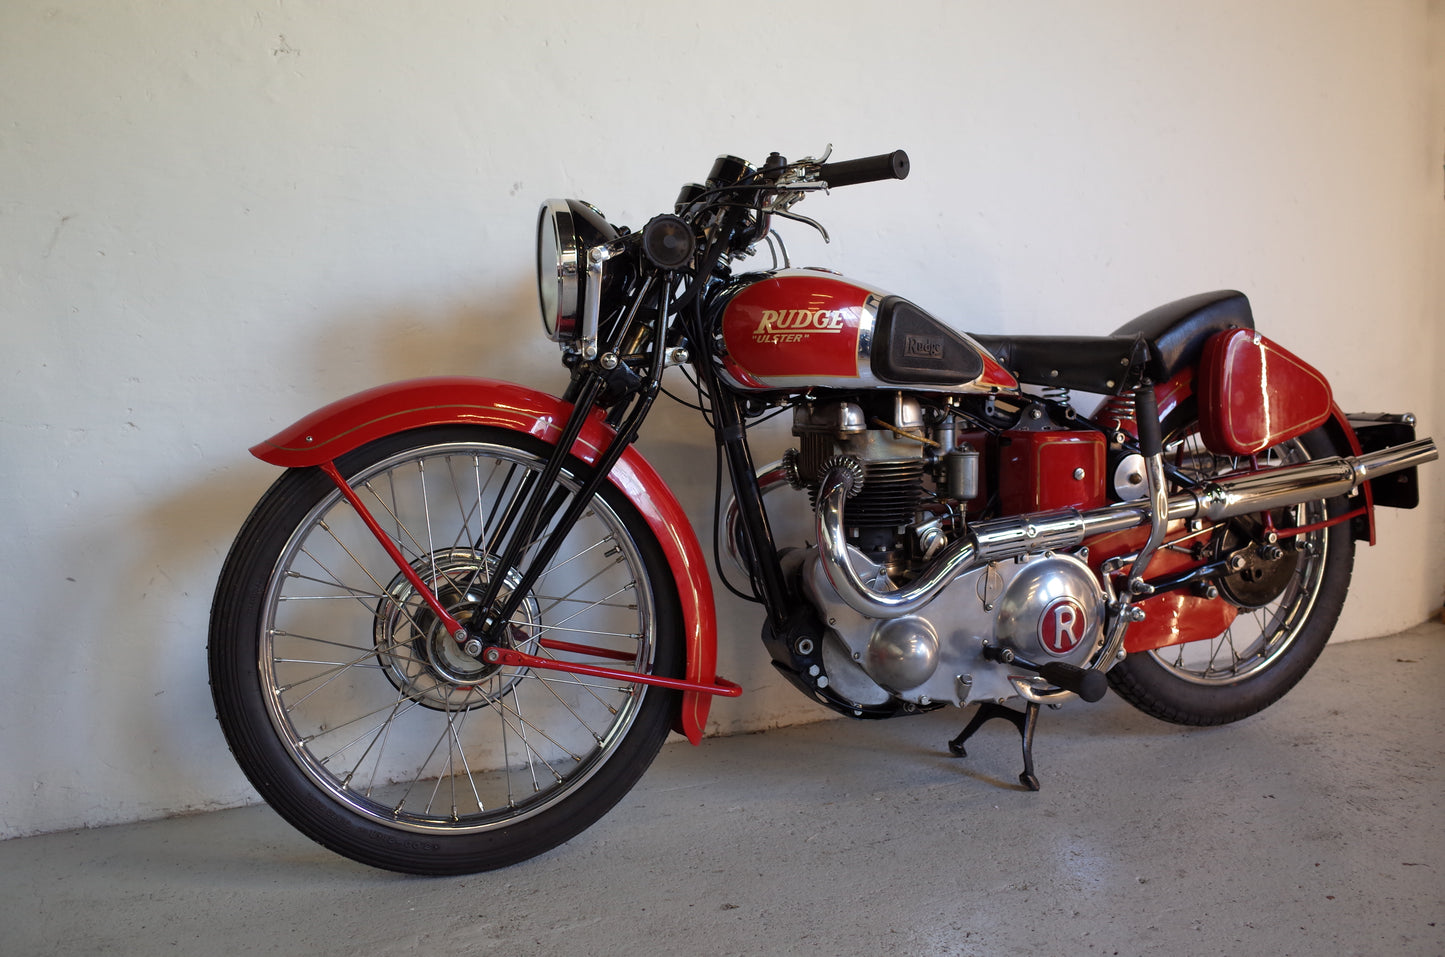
(373,732)
(1286,613)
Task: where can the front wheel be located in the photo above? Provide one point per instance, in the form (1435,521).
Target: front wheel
(368,727)
(1286,600)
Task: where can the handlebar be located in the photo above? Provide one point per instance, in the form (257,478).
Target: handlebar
(869,169)
(729,215)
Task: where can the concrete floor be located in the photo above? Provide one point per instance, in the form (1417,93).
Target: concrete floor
(1315,828)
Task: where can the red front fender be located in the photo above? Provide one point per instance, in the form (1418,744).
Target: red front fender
(352,422)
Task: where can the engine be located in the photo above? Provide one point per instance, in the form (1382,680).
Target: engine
(919,476)
(893,460)
(1041,608)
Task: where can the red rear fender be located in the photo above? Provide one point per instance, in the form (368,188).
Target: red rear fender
(352,422)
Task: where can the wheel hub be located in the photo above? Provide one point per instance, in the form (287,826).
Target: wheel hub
(417,653)
(1261,572)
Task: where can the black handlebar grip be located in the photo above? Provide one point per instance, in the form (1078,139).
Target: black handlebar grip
(869,169)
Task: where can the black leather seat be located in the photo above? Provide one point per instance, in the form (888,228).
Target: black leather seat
(1176,331)
(1104,364)
(1158,344)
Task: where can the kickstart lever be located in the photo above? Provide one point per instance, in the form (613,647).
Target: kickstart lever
(1087,683)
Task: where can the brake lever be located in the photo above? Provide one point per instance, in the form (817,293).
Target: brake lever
(827,152)
(799,218)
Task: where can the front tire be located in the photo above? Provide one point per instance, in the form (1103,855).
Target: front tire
(370,729)
(1287,608)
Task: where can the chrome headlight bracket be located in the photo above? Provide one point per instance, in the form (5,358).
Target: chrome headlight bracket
(597,258)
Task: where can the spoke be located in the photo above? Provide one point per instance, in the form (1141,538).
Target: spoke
(572,711)
(502,712)
(500,703)
(401,607)
(466,766)
(333,673)
(556,600)
(489,543)
(558,499)
(396,650)
(446,735)
(1234,656)
(451,772)
(316,661)
(597,544)
(278,633)
(431,548)
(1226,639)
(419,550)
(361,597)
(483,539)
(591,689)
(515,499)
(543,629)
(396,712)
(290,598)
(392,511)
(382,732)
(481,495)
(416,778)
(576,681)
(351,593)
(330,675)
(526,746)
(582,611)
(464,532)
(506,773)
(583,584)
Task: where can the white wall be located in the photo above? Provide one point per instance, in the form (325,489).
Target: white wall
(215,217)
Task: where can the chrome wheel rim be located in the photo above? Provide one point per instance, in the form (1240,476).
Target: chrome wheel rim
(383,711)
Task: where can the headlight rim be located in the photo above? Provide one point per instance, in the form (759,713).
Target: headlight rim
(560,320)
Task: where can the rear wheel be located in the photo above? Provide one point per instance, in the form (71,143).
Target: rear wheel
(368,727)
(1287,599)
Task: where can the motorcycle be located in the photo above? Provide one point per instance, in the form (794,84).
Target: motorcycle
(459,626)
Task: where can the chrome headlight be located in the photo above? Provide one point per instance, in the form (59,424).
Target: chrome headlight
(566,229)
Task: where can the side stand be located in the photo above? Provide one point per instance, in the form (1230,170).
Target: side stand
(1025,721)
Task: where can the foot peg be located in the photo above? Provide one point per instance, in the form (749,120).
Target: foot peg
(1025,721)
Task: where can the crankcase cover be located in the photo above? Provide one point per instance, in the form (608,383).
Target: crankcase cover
(902,654)
(1052,610)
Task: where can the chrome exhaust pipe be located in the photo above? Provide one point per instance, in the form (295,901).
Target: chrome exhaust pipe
(1277,488)
(770,478)
(1017,535)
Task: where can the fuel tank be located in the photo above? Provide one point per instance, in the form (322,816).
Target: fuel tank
(797,329)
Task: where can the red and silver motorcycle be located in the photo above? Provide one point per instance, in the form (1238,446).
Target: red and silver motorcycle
(458,628)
